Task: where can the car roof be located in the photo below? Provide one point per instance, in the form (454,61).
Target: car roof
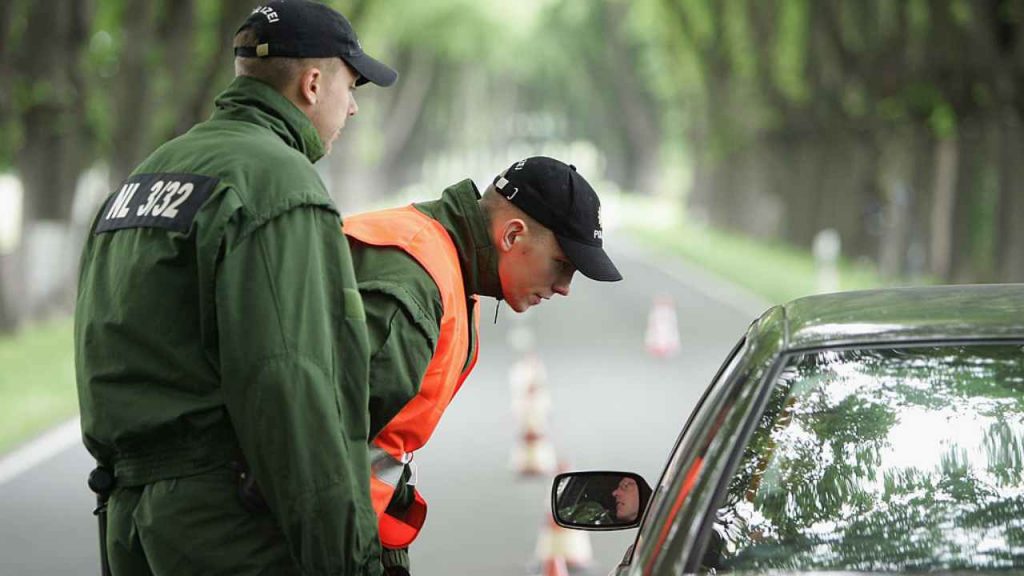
(957,312)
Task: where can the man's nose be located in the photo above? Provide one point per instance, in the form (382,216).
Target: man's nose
(353,107)
(561,286)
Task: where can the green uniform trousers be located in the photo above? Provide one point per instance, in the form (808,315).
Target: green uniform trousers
(192,525)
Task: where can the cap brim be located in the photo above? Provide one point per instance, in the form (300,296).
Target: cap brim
(591,261)
(371,70)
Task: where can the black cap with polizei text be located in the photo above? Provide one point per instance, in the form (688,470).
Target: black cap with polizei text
(556,195)
(307,29)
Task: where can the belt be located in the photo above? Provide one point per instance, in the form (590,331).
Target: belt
(194,455)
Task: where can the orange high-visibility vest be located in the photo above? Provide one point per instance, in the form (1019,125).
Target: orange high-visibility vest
(429,244)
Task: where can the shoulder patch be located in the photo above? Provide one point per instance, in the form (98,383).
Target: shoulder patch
(168,201)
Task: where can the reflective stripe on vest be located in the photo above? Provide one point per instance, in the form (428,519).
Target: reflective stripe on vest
(385,475)
(426,241)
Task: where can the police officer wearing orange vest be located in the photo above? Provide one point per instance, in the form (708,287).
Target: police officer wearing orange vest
(421,269)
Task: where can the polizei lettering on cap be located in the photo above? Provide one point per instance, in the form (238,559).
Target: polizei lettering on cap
(268,12)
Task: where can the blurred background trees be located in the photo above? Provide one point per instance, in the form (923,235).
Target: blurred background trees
(896,123)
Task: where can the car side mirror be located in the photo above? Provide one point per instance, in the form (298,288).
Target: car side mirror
(599,500)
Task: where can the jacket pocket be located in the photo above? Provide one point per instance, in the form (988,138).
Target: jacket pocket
(354,305)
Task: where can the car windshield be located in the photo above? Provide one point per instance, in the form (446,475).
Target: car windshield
(882,459)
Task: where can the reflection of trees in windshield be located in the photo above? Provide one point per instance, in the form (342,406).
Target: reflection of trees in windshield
(883,459)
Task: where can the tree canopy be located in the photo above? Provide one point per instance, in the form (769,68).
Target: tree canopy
(898,124)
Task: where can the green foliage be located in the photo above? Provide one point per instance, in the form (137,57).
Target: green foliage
(208,16)
(666,62)
(943,120)
(720,78)
(455,30)
(962,12)
(102,62)
(917,13)
(738,39)
(790,54)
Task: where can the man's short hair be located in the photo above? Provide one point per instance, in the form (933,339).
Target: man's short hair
(275,71)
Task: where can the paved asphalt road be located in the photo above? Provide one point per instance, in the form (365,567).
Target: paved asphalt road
(613,407)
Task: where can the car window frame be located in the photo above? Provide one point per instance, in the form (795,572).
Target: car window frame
(692,562)
(711,397)
(741,377)
(747,393)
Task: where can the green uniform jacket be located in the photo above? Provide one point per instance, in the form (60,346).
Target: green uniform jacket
(239,326)
(403,305)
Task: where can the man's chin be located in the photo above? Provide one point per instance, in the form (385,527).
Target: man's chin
(518,306)
(329,144)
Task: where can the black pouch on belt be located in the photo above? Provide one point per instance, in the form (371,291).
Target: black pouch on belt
(248,490)
(101,481)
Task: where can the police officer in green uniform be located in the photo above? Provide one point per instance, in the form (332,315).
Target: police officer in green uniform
(521,241)
(220,340)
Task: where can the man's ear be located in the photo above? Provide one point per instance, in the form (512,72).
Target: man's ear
(311,86)
(511,232)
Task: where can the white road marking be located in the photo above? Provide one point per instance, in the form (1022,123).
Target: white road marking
(53,442)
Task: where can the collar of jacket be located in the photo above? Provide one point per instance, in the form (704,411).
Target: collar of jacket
(249,100)
(458,210)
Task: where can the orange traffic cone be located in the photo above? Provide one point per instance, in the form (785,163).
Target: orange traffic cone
(531,402)
(662,337)
(563,549)
(555,567)
(574,547)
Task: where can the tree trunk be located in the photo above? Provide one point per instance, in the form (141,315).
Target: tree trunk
(864,228)
(799,188)
(8,312)
(1010,238)
(1008,48)
(640,131)
(132,90)
(217,71)
(52,154)
(405,108)
(762,193)
(714,138)
(6,96)
(924,149)
(943,205)
(896,180)
(11,315)
(176,30)
(964,254)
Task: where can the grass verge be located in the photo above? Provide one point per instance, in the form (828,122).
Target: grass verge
(772,270)
(37,381)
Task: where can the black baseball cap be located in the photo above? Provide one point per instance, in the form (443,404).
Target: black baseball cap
(307,29)
(556,195)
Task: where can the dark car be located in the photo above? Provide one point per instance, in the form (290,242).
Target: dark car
(869,431)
